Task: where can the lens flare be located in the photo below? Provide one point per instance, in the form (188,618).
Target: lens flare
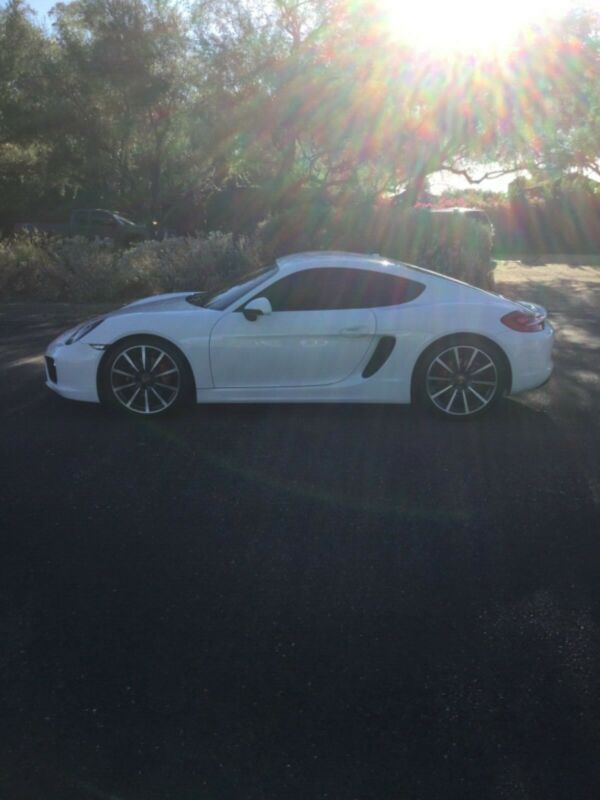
(466,25)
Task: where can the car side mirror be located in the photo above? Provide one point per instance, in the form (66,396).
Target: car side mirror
(257,308)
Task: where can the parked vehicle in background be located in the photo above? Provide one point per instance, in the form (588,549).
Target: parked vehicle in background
(92,223)
(478,214)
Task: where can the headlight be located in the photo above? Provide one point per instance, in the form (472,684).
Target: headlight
(83,330)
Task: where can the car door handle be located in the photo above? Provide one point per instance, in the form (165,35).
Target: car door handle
(354,330)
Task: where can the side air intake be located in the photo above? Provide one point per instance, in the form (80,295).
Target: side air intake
(382,352)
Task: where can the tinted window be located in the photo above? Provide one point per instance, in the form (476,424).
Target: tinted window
(99,218)
(338,288)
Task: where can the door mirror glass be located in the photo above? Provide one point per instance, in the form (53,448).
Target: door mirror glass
(257,308)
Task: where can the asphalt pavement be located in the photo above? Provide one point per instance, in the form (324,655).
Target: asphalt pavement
(298,602)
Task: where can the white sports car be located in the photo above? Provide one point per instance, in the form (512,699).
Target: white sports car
(313,327)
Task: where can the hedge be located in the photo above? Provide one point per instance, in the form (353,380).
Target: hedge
(77,270)
(449,243)
(550,226)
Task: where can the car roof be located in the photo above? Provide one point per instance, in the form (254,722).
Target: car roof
(338,258)
(459,210)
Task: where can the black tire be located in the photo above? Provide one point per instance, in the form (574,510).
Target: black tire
(461,377)
(146,377)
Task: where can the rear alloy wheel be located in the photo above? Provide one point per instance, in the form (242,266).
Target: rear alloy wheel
(145,378)
(462,380)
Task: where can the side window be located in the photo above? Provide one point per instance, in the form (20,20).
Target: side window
(98,218)
(339,288)
(309,290)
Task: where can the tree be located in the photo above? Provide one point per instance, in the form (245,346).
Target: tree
(23,110)
(150,106)
(122,80)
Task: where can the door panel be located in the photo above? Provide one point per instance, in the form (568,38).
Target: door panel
(289,348)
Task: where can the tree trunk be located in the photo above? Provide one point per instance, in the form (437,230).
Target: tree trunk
(414,190)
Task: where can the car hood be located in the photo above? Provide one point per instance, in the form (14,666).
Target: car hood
(175,301)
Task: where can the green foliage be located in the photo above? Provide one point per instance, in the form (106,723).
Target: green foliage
(78,270)
(28,270)
(186,264)
(454,245)
(544,214)
(160,107)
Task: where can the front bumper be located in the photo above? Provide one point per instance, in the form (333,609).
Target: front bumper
(71,369)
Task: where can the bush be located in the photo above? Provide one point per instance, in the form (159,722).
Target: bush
(186,264)
(27,269)
(541,226)
(77,270)
(452,244)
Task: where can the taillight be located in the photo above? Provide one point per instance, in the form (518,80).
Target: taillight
(523,322)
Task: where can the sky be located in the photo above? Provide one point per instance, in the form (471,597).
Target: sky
(41,6)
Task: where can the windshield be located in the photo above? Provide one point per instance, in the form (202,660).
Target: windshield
(123,219)
(219,299)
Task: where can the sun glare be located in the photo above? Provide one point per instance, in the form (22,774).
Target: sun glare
(476,26)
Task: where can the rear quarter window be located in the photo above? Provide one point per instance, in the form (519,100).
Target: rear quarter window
(381,290)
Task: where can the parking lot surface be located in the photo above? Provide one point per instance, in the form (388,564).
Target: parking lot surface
(298,602)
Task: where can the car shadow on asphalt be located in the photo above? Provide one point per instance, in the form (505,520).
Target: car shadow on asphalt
(396,460)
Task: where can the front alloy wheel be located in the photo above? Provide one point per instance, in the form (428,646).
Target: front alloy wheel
(462,380)
(145,378)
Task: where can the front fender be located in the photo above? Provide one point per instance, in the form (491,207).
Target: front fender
(187,331)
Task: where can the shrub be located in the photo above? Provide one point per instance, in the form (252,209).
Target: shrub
(453,244)
(28,270)
(177,265)
(568,225)
(90,270)
(78,270)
